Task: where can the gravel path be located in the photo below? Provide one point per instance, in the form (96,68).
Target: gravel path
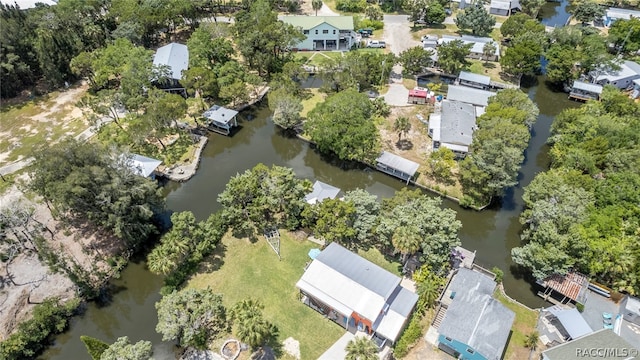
(397,34)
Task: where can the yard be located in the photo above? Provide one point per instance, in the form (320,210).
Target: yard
(252,270)
(318,58)
(523,325)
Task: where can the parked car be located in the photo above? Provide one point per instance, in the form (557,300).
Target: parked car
(366,32)
(376,44)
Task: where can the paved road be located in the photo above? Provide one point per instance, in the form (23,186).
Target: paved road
(397,34)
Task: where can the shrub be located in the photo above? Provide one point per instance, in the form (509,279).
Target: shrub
(351,5)
(368,23)
(499,274)
(410,335)
(50,317)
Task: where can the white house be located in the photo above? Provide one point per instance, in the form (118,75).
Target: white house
(174,56)
(503,7)
(477,48)
(323,32)
(623,78)
(614,14)
(142,165)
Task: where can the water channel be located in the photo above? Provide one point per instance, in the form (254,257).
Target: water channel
(492,232)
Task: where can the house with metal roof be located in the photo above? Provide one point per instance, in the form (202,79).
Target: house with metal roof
(585,91)
(504,7)
(453,127)
(397,166)
(623,78)
(476,97)
(568,321)
(357,294)
(614,14)
(603,344)
(323,32)
(475,325)
(474,80)
(175,57)
(320,192)
(142,165)
(221,119)
(477,48)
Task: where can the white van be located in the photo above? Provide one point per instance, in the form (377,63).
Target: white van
(376,44)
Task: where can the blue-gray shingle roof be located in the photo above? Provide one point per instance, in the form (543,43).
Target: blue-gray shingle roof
(458,122)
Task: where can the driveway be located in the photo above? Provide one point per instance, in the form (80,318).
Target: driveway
(397,34)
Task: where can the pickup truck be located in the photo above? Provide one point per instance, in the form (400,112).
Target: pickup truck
(376,44)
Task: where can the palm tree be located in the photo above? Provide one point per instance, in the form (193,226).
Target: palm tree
(361,348)
(316,5)
(246,309)
(402,126)
(488,50)
(160,263)
(406,240)
(254,331)
(531,342)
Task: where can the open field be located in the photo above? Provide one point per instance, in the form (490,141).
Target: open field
(252,270)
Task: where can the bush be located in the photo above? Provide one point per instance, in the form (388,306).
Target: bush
(351,5)
(50,317)
(410,335)
(580,307)
(368,23)
(499,274)
(95,347)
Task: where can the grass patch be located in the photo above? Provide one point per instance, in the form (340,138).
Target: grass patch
(410,84)
(375,256)
(490,69)
(318,58)
(311,102)
(524,324)
(252,270)
(442,29)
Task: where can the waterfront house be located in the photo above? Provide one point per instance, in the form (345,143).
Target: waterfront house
(593,346)
(614,14)
(453,127)
(397,166)
(623,78)
(477,48)
(357,294)
(323,32)
(320,192)
(630,309)
(474,80)
(143,166)
(475,326)
(585,91)
(504,7)
(175,57)
(476,97)
(221,119)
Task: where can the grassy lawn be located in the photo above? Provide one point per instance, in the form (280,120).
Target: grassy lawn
(252,270)
(376,257)
(310,103)
(318,58)
(442,29)
(42,120)
(524,324)
(410,84)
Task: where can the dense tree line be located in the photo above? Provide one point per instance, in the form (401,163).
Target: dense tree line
(583,213)
(498,146)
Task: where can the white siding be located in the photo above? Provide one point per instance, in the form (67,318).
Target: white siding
(317,33)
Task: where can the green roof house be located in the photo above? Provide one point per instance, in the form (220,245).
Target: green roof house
(323,32)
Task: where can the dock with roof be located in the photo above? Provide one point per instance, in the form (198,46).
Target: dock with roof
(397,166)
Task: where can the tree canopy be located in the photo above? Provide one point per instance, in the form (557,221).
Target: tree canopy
(477,19)
(122,349)
(452,56)
(342,125)
(414,60)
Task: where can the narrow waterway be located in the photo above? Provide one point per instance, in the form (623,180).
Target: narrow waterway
(492,232)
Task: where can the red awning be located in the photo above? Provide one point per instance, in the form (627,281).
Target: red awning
(418,93)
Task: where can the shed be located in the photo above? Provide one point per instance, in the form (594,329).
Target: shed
(320,192)
(221,119)
(573,323)
(142,165)
(474,80)
(475,324)
(571,287)
(585,91)
(397,166)
(630,309)
(417,96)
(175,56)
(469,95)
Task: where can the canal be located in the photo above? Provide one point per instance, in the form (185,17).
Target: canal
(492,232)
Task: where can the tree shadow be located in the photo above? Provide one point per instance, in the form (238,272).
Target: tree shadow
(488,65)
(214,261)
(418,27)
(404,144)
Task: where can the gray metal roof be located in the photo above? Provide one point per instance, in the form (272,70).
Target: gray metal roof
(469,95)
(457,123)
(142,165)
(322,191)
(571,321)
(601,339)
(477,78)
(628,69)
(474,317)
(399,163)
(359,269)
(630,304)
(220,114)
(174,55)
(589,87)
(500,4)
(402,301)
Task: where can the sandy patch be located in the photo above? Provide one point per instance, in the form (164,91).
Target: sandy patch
(307,9)
(65,100)
(292,347)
